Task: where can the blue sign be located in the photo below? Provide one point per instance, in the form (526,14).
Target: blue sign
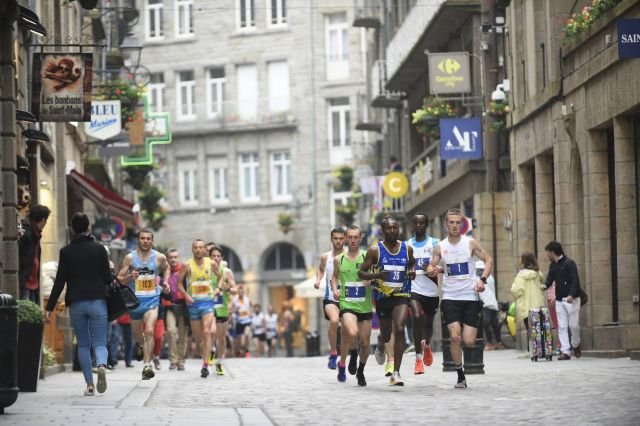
(629,38)
(460,138)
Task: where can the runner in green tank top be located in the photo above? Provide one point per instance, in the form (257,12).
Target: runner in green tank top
(221,305)
(355,306)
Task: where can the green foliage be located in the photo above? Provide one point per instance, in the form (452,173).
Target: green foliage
(582,20)
(427,118)
(345,177)
(48,357)
(137,176)
(347,213)
(127,93)
(29,312)
(149,198)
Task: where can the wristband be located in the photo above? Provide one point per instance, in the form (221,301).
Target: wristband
(483,279)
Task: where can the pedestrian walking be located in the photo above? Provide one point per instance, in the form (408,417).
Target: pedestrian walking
(528,288)
(84,268)
(30,234)
(564,272)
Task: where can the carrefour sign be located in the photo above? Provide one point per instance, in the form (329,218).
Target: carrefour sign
(629,38)
(106,120)
(449,73)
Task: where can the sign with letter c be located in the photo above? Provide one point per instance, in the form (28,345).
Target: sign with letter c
(395,184)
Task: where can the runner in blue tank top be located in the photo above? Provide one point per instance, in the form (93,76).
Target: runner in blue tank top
(393,265)
(140,270)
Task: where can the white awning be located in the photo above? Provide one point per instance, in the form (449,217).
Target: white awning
(306,289)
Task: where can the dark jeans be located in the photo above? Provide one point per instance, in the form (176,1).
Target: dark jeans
(491,326)
(118,330)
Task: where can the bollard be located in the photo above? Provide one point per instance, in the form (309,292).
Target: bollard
(8,351)
(472,357)
(309,342)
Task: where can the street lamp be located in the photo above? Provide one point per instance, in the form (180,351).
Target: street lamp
(131,49)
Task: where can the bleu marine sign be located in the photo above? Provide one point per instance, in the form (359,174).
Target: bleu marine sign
(629,38)
(460,138)
(106,120)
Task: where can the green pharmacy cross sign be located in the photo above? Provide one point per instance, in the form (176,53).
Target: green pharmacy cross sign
(157,131)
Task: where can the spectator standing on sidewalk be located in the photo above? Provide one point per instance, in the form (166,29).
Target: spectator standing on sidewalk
(564,272)
(84,268)
(528,287)
(490,309)
(30,234)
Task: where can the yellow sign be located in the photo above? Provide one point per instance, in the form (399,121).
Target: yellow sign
(449,66)
(395,184)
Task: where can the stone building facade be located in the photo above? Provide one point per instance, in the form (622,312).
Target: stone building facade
(574,137)
(262,99)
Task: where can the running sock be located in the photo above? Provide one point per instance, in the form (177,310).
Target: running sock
(419,356)
(353,352)
(360,368)
(341,364)
(333,353)
(460,372)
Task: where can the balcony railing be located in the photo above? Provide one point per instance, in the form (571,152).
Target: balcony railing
(366,118)
(380,96)
(366,13)
(233,115)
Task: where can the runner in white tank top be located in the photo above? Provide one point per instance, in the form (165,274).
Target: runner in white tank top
(329,304)
(455,257)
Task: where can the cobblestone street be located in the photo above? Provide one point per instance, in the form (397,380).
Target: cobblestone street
(303,391)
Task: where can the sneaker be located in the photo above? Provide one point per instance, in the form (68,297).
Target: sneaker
(180,366)
(361,379)
(388,369)
(488,347)
(577,352)
(219,370)
(173,366)
(138,353)
(147,373)
(110,367)
(498,346)
(212,358)
(129,365)
(89,391)
(342,375)
(419,367)
(333,360)
(379,354)
(204,372)
(156,363)
(395,379)
(102,379)
(564,357)
(462,384)
(427,354)
(353,363)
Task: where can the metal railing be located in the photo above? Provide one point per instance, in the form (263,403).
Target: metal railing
(367,13)
(380,96)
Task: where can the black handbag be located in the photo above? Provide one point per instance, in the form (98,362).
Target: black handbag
(120,300)
(583,297)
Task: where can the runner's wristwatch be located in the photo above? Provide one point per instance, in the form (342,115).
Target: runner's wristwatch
(483,279)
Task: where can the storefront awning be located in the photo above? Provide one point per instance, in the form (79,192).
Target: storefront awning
(104,198)
(306,289)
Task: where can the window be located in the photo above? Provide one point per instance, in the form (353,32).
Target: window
(218,181)
(249,178)
(339,130)
(278,75)
(280,176)
(187,181)
(284,256)
(156,91)
(247,76)
(185,89)
(276,13)
(184,18)
(215,91)
(337,46)
(153,25)
(246,15)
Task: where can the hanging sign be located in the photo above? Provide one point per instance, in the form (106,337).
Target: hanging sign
(106,120)
(62,86)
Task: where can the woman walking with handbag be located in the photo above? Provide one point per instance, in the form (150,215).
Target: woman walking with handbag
(84,269)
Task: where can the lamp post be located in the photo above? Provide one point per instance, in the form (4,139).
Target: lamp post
(131,49)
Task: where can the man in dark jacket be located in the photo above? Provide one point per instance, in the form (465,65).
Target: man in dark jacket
(565,274)
(30,233)
(84,268)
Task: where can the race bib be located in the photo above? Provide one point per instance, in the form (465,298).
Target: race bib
(420,264)
(395,275)
(218,301)
(145,285)
(355,292)
(458,269)
(243,314)
(200,290)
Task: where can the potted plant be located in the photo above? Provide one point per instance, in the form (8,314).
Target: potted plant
(344,176)
(346,213)
(499,111)
(30,334)
(427,118)
(285,221)
(129,94)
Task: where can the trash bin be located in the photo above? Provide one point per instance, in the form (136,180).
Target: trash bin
(8,351)
(313,344)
